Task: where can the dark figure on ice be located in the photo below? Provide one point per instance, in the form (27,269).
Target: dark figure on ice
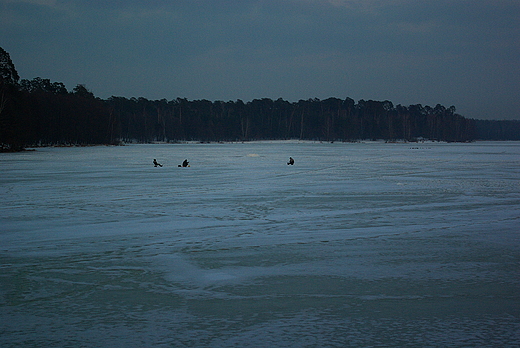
(155,163)
(291,161)
(185,163)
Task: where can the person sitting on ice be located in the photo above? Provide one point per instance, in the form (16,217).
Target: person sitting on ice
(291,161)
(185,163)
(155,163)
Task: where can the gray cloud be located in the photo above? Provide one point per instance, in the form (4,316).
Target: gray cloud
(449,52)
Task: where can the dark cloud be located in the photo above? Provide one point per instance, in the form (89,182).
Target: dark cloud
(449,52)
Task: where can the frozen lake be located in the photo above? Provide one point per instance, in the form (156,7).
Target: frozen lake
(367,244)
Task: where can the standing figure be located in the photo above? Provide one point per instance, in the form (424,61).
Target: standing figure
(185,163)
(155,163)
(291,161)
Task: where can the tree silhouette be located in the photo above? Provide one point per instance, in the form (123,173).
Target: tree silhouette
(10,106)
(41,112)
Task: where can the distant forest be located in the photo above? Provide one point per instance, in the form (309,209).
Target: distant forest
(39,112)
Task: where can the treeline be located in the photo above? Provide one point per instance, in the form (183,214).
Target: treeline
(50,115)
(498,130)
(39,112)
(44,117)
(332,119)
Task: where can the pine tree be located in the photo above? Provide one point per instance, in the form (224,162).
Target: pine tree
(8,74)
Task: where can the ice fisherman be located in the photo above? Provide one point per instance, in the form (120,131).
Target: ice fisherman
(291,161)
(155,163)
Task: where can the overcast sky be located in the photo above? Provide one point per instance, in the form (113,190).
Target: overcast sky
(451,52)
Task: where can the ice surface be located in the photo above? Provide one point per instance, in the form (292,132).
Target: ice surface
(365,244)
